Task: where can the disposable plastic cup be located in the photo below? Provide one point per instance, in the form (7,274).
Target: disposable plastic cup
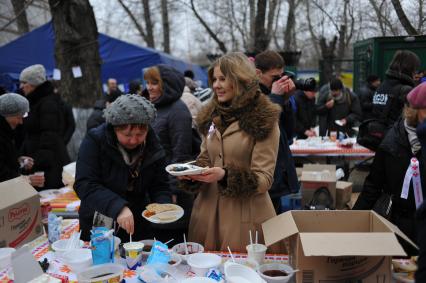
(256,252)
(133,254)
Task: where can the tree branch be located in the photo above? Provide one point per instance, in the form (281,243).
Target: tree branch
(403,18)
(134,20)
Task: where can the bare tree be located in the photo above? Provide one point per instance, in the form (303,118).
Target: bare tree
(76,44)
(403,18)
(146,33)
(211,33)
(21,16)
(166,26)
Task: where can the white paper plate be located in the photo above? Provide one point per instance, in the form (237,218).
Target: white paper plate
(171,216)
(189,169)
(338,122)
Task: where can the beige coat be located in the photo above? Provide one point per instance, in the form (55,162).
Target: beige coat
(223,214)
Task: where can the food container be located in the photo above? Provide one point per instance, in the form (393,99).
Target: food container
(147,248)
(78,259)
(274,272)
(5,256)
(237,273)
(60,246)
(200,263)
(192,249)
(103,273)
(175,259)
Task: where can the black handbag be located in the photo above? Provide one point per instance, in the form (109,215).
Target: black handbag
(383,205)
(321,200)
(371,133)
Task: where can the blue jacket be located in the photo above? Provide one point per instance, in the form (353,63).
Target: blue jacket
(285,177)
(102,177)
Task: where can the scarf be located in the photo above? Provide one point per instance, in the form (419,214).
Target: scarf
(412,138)
(133,159)
(224,114)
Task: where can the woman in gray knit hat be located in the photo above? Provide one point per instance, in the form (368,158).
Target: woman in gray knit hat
(13,108)
(120,169)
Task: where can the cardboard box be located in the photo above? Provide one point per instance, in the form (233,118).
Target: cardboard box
(315,176)
(337,245)
(20,216)
(343,194)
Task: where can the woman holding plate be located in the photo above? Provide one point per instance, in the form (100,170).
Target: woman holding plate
(240,134)
(120,169)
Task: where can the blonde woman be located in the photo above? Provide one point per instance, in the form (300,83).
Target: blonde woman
(240,132)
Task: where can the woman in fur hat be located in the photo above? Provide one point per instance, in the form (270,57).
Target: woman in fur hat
(240,144)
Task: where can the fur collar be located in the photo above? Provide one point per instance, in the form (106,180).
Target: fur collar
(258,123)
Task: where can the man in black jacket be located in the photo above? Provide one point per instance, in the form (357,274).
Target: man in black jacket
(306,117)
(366,93)
(270,67)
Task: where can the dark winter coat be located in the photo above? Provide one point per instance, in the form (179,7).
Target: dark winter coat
(285,176)
(365,94)
(9,166)
(349,109)
(421,215)
(96,118)
(387,175)
(306,116)
(392,95)
(44,128)
(173,124)
(102,177)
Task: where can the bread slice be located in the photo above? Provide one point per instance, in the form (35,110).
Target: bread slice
(159,208)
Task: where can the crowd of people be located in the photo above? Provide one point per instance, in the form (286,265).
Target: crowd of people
(242,133)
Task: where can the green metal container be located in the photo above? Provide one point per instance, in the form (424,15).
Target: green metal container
(373,55)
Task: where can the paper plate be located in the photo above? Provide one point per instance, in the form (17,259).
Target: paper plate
(182,169)
(165,217)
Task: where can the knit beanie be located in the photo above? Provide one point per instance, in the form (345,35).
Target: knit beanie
(130,109)
(34,75)
(417,96)
(12,104)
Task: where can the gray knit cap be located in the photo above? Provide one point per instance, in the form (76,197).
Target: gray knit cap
(12,104)
(34,75)
(130,109)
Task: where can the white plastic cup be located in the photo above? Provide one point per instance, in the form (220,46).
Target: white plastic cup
(333,136)
(39,173)
(256,252)
(133,254)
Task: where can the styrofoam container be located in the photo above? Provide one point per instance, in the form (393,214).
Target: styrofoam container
(105,273)
(237,273)
(117,242)
(147,248)
(78,259)
(193,248)
(198,280)
(276,266)
(176,258)
(60,246)
(200,263)
(5,256)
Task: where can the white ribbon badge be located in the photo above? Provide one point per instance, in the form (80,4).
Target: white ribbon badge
(413,173)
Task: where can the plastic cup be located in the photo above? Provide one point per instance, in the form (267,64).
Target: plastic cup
(333,136)
(133,252)
(256,252)
(39,173)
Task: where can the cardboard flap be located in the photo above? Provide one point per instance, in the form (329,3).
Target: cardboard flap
(279,228)
(394,229)
(350,244)
(15,190)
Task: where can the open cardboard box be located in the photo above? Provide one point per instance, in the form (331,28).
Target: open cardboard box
(20,216)
(337,246)
(315,176)
(343,194)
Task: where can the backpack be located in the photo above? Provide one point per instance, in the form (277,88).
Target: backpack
(372,131)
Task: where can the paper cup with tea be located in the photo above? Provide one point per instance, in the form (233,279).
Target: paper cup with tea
(133,252)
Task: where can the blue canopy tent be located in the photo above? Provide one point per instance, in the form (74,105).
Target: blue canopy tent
(121,60)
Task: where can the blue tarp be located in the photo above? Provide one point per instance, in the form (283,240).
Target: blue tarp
(121,60)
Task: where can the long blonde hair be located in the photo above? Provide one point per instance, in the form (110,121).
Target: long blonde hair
(237,68)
